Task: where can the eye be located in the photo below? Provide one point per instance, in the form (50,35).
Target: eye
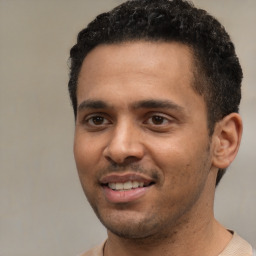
(96,122)
(157,120)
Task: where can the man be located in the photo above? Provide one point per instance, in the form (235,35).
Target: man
(155,87)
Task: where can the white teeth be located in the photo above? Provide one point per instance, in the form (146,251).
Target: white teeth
(112,185)
(125,186)
(135,184)
(128,185)
(119,186)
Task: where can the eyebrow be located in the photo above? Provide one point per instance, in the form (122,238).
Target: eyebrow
(148,104)
(92,104)
(157,104)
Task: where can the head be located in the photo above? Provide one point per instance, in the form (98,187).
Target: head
(154,85)
(217,72)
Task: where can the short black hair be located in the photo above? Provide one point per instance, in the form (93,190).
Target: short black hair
(218,74)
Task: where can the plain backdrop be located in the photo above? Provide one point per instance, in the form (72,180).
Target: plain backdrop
(42,207)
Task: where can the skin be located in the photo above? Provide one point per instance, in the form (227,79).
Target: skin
(137,113)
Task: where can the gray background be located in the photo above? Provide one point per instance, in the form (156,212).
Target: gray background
(42,208)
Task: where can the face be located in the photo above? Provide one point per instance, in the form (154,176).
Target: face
(142,147)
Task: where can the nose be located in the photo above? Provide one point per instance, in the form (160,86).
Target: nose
(124,145)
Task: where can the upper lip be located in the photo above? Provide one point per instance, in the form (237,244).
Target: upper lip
(122,178)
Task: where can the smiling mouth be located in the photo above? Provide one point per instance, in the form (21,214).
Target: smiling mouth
(128,185)
(125,187)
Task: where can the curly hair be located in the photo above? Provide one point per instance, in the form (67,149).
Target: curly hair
(217,71)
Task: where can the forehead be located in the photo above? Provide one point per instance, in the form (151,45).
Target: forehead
(135,69)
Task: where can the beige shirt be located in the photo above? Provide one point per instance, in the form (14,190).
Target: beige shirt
(236,247)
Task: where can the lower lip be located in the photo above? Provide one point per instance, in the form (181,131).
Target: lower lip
(115,196)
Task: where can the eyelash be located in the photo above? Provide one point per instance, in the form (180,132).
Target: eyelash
(156,117)
(91,118)
(150,121)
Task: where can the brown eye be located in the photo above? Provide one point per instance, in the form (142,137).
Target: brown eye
(157,120)
(97,120)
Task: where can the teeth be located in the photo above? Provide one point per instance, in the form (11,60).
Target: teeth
(119,186)
(126,186)
(112,185)
(135,184)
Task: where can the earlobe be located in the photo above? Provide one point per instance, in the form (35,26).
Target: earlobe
(227,136)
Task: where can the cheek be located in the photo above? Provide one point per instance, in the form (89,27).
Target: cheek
(181,161)
(168,152)
(86,156)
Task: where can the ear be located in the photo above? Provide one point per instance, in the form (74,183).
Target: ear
(227,137)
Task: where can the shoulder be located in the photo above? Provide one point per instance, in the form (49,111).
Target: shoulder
(237,247)
(95,251)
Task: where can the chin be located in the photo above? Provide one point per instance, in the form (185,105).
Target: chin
(135,231)
(131,227)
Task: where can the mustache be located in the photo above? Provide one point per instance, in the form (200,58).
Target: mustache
(131,167)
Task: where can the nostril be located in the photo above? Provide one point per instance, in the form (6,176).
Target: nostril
(118,162)
(131,159)
(109,159)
